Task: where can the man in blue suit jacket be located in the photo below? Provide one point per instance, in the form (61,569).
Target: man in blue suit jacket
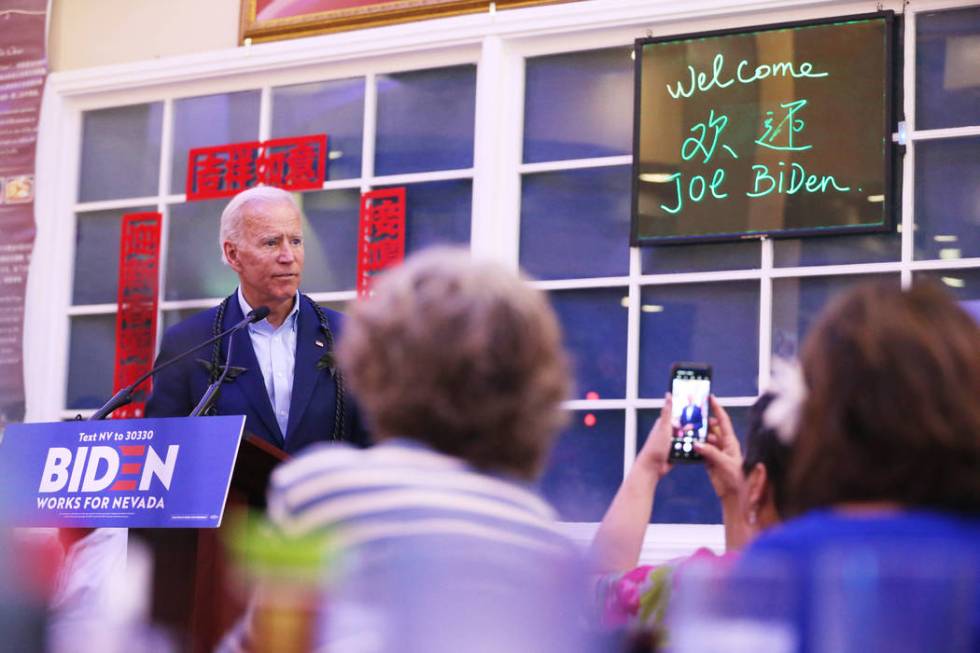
(691,419)
(283,379)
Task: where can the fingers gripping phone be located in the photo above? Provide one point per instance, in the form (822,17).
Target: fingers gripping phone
(690,386)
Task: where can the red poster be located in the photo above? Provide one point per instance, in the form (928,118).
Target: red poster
(381,239)
(136,319)
(23,68)
(294,164)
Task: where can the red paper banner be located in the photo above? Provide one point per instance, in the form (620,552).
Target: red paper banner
(23,68)
(136,319)
(381,239)
(295,164)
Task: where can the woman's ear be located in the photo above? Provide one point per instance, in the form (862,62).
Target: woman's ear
(757,486)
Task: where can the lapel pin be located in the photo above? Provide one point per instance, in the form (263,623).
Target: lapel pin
(319,343)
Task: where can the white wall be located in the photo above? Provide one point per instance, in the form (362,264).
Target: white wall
(86,33)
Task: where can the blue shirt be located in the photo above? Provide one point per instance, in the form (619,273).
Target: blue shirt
(876,579)
(275,349)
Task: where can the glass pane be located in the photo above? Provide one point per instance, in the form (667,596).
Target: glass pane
(714,323)
(170,318)
(576,223)
(426,120)
(211,120)
(594,325)
(194,267)
(335,108)
(330,232)
(437,212)
(947,90)
(947,208)
(579,105)
(91,356)
(586,465)
(685,495)
(833,250)
(700,258)
(796,303)
(963,284)
(120,152)
(96,279)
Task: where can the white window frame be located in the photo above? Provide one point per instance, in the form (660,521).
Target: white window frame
(498,43)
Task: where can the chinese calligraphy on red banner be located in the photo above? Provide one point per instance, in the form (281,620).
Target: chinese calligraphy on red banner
(297,163)
(381,239)
(136,318)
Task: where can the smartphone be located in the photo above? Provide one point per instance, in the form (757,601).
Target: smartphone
(690,386)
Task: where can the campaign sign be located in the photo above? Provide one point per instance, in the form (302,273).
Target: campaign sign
(158,473)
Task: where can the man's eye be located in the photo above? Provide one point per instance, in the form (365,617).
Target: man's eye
(269,243)
(297,241)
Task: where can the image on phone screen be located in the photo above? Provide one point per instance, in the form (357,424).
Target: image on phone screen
(690,387)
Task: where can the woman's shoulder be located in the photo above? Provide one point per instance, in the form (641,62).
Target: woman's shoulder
(818,530)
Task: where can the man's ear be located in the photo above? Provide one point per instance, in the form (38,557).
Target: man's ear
(231,253)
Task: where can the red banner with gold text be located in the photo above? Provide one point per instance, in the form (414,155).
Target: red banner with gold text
(136,319)
(381,238)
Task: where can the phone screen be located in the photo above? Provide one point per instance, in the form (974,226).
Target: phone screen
(690,386)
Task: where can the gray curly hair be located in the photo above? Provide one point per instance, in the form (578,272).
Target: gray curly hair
(462,355)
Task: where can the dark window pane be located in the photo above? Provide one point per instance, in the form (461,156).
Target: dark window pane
(838,250)
(330,243)
(796,303)
(426,120)
(716,323)
(700,258)
(120,152)
(579,105)
(586,465)
(576,223)
(685,495)
(211,120)
(96,279)
(947,90)
(334,108)
(963,284)
(194,268)
(91,356)
(947,211)
(594,324)
(437,212)
(170,318)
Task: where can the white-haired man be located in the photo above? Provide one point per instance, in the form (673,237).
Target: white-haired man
(284,379)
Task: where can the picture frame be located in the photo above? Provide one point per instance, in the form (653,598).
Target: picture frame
(272,20)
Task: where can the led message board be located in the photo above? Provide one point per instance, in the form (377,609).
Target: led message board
(781,131)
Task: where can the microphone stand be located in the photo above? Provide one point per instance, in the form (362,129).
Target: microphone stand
(125,396)
(211,394)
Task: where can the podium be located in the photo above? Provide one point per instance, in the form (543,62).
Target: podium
(193,588)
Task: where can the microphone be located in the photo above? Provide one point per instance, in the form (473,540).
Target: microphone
(125,396)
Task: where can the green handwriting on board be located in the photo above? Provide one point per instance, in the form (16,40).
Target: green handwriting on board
(781,130)
(700,81)
(777,129)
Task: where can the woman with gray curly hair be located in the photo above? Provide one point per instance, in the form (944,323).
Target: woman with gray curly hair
(459,369)
(461,355)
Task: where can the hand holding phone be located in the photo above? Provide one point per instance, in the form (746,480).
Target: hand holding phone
(690,385)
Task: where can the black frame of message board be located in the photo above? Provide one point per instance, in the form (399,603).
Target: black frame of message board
(889,127)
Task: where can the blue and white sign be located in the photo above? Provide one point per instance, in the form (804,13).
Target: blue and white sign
(158,473)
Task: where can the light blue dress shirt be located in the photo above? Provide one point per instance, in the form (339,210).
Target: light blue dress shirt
(275,349)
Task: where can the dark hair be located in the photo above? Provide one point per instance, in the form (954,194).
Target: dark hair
(762,445)
(893,406)
(462,355)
